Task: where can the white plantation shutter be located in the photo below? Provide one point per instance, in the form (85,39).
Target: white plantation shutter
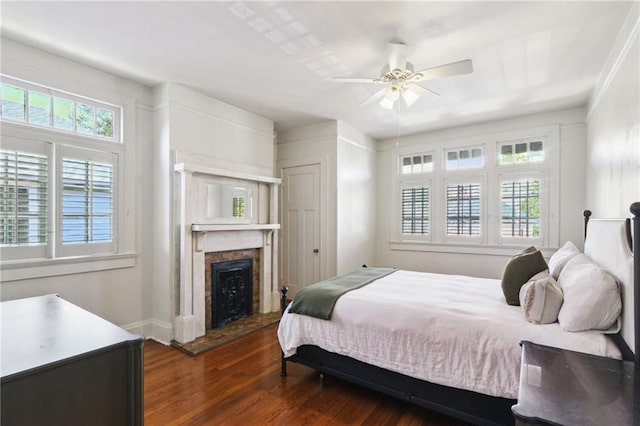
(463,209)
(87,201)
(23,198)
(415,210)
(520,205)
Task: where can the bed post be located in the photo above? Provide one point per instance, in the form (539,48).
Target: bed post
(283,306)
(587,215)
(635,210)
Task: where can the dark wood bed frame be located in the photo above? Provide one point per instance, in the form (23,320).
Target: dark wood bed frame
(466,405)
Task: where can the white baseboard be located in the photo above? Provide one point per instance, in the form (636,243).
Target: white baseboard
(158,330)
(142,328)
(161,331)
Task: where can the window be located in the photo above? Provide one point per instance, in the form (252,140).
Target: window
(492,193)
(87,201)
(464,158)
(521,152)
(23,198)
(463,209)
(43,107)
(520,208)
(417,163)
(59,173)
(415,210)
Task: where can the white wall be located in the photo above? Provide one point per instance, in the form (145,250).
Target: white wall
(209,131)
(356,200)
(613,150)
(572,153)
(121,296)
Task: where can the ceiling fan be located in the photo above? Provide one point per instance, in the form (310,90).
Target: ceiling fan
(400,79)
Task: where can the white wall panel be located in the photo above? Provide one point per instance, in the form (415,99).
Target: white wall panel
(613,153)
(356,201)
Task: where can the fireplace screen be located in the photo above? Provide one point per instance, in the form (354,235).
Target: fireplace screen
(232,291)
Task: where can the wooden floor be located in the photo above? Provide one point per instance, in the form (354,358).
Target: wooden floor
(240,384)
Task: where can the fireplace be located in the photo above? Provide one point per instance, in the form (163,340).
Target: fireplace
(232,291)
(238,296)
(205,229)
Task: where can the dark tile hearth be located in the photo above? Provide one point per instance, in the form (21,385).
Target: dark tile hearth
(222,335)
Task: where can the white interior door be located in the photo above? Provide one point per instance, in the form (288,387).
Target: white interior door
(300,227)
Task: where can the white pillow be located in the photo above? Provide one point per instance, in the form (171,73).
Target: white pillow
(591,296)
(560,258)
(541,299)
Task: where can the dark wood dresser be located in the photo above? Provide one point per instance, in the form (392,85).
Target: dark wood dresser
(62,365)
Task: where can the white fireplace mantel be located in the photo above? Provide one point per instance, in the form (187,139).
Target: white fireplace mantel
(198,227)
(197,239)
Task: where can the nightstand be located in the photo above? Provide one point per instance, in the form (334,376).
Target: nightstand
(561,387)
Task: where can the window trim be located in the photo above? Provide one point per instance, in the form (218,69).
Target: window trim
(550,134)
(53,93)
(125,147)
(11,270)
(18,138)
(38,268)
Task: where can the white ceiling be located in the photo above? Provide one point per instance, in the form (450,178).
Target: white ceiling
(276,59)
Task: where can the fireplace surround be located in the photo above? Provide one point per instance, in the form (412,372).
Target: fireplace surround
(201,235)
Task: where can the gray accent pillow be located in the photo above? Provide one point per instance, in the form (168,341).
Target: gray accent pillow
(518,271)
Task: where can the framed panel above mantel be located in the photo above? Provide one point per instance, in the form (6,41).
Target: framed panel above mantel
(197,164)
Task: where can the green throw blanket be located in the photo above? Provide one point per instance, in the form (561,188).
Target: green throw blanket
(319,299)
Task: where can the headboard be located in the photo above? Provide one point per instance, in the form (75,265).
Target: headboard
(609,242)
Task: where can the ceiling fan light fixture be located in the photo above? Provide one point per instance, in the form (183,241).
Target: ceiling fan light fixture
(409,96)
(387,103)
(391,95)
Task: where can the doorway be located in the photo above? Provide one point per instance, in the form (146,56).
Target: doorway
(300,227)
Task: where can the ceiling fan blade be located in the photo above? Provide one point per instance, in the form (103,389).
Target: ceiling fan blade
(397,56)
(454,68)
(356,80)
(371,99)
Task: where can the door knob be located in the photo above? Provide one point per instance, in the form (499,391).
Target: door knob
(315,251)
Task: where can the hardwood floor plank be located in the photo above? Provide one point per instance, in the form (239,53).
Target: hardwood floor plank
(240,384)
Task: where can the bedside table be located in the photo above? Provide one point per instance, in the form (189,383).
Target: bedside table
(561,387)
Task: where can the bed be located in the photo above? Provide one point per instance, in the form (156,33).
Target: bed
(466,364)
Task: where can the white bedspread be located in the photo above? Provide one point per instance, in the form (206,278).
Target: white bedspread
(452,330)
